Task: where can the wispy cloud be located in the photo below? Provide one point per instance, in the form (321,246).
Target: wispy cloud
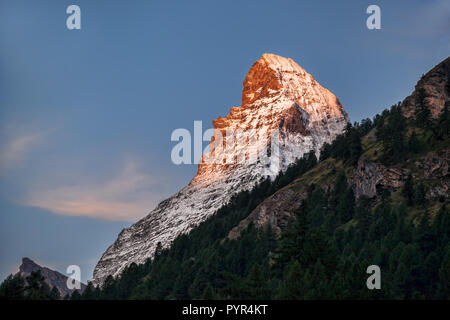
(126,196)
(15,147)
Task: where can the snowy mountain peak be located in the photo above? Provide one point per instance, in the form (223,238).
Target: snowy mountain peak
(278,94)
(279,63)
(279,97)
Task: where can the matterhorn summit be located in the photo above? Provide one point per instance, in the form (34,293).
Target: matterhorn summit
(282,105)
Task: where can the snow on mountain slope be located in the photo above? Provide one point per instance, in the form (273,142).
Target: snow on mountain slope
(281,103)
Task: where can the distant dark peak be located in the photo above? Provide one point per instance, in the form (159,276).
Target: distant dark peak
(28,265)
(26,260)
(52,277)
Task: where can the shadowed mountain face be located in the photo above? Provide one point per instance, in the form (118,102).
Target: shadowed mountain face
(53,278)
(279,97)
(434,86)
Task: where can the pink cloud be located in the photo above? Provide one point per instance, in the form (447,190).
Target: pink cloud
(126,196)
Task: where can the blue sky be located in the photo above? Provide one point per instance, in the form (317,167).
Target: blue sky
(86,115)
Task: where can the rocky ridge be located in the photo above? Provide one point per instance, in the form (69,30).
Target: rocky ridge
(52,277)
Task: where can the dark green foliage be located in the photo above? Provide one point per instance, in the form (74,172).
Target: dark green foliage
(346,206)
(420,195)
(90,293)
(363,217)
(33,287)
(414,192)
(347,146)
(255,285)
(408,191)
(365,126)
(109,291)
(54,294)
(208,294)
(75,295)
(422,112)
(391,132)
(325,151)
(36,288)
(293,287)
(443,287)
(414,143)
(355,148)
(13,288)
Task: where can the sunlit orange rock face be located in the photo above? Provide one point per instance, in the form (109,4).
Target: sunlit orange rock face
(260,82)
(278,96)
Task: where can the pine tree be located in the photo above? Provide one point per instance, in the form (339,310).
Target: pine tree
(325,151)
(346,206)
(443,291)
(391,133)
(422,113)
(54,294)
(413,143)
(294,285)
(184,281)
(354,145)
(319,278)
(140,292)
(292,242)
(430,275)
(89,293)
(12,288)
(256,285)
(158,250)
(408,190)
(340,187)
(424,234)
(420,194)
(208,293)
(37,288)
(109,288)
(318,247)
(406,273)
(362,214)
(75,295)
(441,225)
(199,284)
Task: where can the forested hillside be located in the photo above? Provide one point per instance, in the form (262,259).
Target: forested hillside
(378,195)
(332,237)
